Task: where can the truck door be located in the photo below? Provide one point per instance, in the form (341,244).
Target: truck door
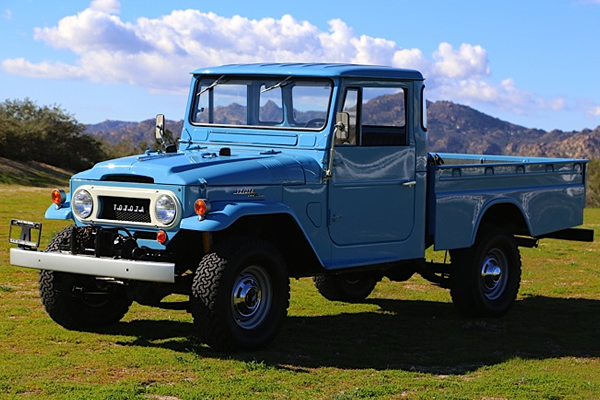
(372,190)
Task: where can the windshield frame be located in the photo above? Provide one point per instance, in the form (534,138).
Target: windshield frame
(257,85)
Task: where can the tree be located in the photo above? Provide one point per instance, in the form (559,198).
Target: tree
(47,134)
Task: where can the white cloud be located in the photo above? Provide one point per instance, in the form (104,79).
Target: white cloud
(594,111)
(8,14)
(412,59)
(107,6)
(43,69)
(473,91)
(467,62)
(158,53)
(92,31)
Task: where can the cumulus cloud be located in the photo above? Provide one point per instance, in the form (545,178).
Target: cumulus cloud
(158,53)
(7,14)
(93,31)
(107,6)
(467,62)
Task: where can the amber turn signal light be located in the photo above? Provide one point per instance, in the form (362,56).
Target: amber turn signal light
(161,237)
(202,207)
(58,197)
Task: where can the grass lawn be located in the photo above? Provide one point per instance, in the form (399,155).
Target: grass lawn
(405,341)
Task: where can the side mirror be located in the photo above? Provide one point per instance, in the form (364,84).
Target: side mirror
(159,134)
(342,123)
(160,128)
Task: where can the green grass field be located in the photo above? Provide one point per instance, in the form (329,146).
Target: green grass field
(405,341)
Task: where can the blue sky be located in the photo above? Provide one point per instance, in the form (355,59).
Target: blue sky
(534,63)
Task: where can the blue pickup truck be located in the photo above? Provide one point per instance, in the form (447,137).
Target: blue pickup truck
(295,170)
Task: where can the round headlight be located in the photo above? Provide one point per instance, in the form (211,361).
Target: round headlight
(165,209)
(83,204)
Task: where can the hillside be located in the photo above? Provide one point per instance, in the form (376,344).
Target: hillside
(135,132)
(461,129)
(452,128)
(32,173)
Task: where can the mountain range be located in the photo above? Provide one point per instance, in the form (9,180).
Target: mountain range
(452,128)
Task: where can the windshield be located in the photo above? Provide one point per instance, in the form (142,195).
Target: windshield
(273,102)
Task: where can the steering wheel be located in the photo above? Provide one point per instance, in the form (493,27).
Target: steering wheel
(315,123)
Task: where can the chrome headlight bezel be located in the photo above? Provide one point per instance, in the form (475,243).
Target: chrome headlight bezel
(165,209)
(82,204)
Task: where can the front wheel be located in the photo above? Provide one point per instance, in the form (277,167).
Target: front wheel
(79,301)
(240,295)
(485,278)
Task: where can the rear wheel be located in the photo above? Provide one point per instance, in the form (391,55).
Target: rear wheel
(79,301)
(240,295)
(350,288)
(485,279)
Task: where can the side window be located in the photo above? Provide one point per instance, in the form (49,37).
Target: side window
(383,116)
(351,107)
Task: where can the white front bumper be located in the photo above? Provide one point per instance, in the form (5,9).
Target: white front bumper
(96,266)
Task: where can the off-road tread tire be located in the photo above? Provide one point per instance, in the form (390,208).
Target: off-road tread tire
(70,311)
(337,287)
(211,294)
(464,280)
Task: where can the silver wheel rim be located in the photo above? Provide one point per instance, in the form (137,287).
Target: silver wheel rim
(494,274)
(251,297)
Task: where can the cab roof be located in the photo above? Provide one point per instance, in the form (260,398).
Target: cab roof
(313,69)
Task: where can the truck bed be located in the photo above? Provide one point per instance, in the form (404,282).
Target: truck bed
(549,193)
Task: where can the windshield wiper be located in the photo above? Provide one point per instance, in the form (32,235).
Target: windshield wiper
(212,85)
(277,85)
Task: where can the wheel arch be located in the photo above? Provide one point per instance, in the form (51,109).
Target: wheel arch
(283,231)
(504,214)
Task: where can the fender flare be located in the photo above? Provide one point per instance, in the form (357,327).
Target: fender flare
(224,214)
(497,202)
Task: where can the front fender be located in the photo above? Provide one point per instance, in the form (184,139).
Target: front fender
(224,214)
(60,212)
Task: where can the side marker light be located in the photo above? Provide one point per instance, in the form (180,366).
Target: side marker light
(202,208)
(58,197)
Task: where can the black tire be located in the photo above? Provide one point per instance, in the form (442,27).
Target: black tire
(240,295)
(350,288)
(485,278)
(78,301)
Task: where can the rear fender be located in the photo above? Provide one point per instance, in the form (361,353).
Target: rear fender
(506,213)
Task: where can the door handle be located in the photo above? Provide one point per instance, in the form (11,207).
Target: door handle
(335,217)
(409,183)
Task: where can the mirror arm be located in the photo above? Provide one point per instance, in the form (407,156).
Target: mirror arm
(329,169)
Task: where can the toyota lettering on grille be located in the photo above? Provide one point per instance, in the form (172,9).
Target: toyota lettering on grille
(129,208)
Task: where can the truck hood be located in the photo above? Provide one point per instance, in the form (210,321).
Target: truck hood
(192,168)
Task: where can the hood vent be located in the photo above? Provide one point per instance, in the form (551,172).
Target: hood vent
(128,178)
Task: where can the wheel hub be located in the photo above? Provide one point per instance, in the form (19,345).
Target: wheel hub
(247,296)
(493,277)
(251,297)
